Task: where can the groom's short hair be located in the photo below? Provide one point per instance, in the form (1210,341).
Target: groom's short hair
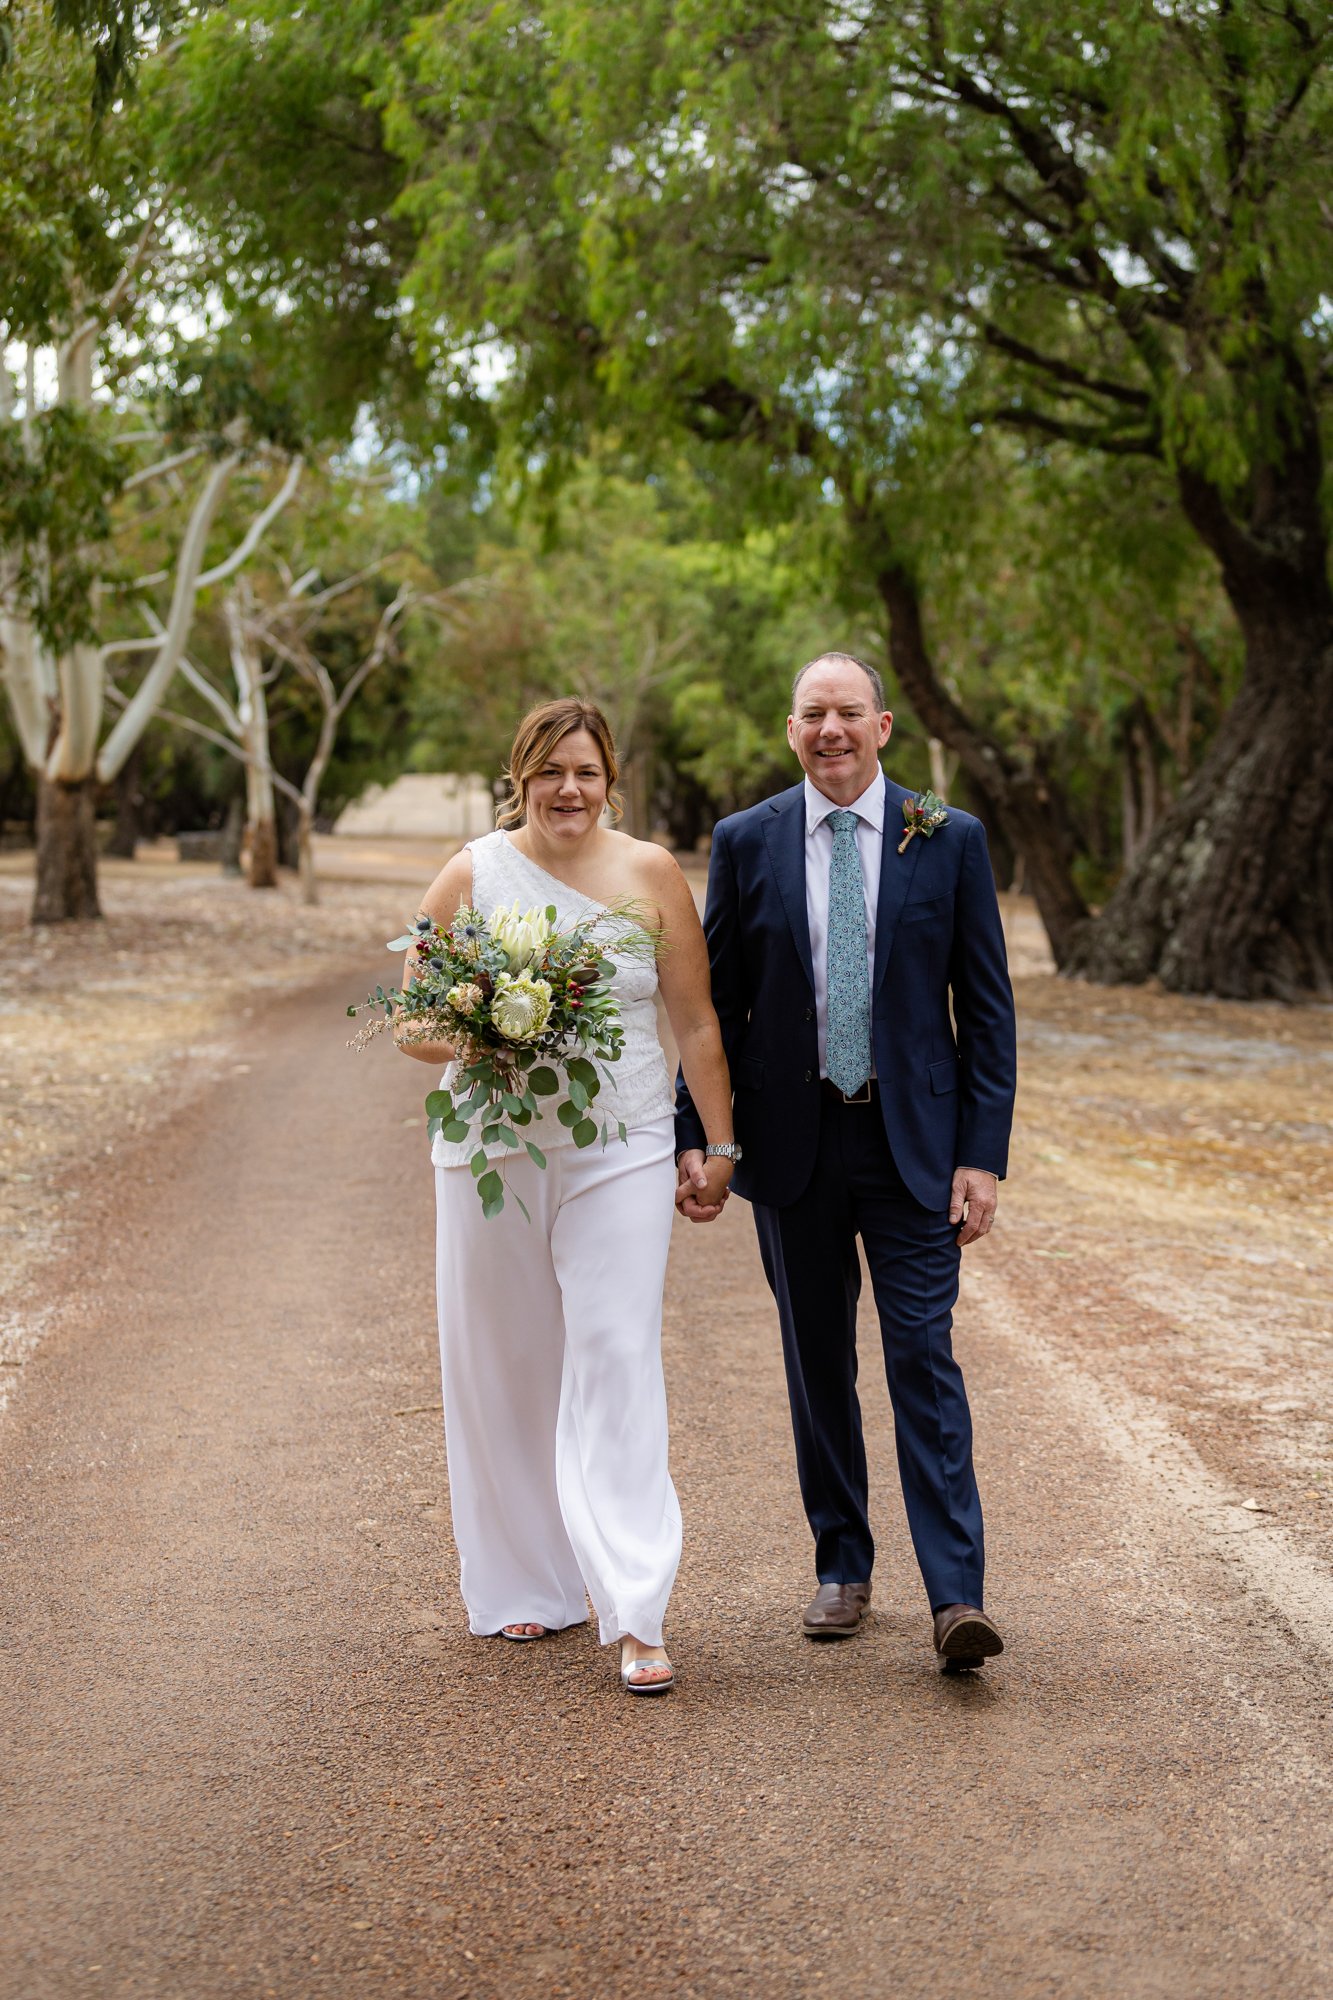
(841,660)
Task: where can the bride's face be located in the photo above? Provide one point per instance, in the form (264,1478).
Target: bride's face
(566,797)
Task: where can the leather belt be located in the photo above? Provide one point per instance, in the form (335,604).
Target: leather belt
(868,1093)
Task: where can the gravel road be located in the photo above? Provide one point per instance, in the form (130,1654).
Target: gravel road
(250,1749)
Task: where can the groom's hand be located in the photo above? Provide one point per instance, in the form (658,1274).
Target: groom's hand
(977,1193)
(699,1195)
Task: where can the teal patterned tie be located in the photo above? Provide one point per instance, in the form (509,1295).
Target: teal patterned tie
(848,1043)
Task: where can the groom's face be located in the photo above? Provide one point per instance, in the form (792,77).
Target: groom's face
(836,730)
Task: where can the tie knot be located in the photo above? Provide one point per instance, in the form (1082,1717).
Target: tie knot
(843,822)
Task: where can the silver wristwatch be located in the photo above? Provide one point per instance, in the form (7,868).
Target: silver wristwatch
(731,1151)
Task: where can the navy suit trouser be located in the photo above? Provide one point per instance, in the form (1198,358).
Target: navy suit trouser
(810,1258)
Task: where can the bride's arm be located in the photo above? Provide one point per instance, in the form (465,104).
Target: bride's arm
(686,987)
(450,892)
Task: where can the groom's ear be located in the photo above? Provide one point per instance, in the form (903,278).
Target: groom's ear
(791,732)
(885,727)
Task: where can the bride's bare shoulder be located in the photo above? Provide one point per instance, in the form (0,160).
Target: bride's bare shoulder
(643,862)
(451,890)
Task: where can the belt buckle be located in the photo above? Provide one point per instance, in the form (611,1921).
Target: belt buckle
(862,1096)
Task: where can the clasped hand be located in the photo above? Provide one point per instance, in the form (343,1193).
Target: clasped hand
(702,1185)
(972,1201)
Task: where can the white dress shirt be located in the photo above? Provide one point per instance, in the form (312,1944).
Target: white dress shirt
(869,810)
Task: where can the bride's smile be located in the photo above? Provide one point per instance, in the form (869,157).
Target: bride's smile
(568,795)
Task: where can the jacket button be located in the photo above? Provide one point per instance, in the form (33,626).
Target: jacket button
(809,1013)
(809,1076)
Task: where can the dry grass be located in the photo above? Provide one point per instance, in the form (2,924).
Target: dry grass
(1169,1216)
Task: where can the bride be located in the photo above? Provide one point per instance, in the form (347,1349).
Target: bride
(550,1332)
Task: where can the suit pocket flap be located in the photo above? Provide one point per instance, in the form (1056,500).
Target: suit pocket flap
(943,1076)
(749,1073)
(916,913)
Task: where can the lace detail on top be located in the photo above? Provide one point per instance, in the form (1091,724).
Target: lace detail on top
(638,1089)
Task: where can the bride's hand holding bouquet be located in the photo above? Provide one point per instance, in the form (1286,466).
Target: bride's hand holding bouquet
(526,1008)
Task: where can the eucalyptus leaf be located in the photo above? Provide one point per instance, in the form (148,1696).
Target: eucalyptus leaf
(455,1130)
(584,1132)
(535,1153)
(568,1114)
(543,1081)
(490,1185)
(439,1104)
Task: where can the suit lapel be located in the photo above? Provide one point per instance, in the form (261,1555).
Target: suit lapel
(895,878)
(784,836)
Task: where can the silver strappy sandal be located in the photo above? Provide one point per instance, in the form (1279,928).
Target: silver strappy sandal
(647,1687)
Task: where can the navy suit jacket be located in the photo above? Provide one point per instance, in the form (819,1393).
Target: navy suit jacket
(946,1097)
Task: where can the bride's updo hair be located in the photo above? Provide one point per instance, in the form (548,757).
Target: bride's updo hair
(535,741)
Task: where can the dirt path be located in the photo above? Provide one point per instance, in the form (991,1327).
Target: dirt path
(251,1751)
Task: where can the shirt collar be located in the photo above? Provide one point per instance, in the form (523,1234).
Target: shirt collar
(870,805)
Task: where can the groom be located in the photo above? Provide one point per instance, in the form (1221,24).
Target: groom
(861,1109)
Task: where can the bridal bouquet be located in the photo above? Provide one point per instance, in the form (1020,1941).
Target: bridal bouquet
(527,1007)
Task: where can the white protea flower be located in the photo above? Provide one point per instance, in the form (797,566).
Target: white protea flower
(520,934)
(463,999)
(520,1007)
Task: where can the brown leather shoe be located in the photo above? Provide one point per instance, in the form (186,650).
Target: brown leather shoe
(835,1611)
(965,1637)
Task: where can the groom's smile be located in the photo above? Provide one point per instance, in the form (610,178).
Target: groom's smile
(836,730)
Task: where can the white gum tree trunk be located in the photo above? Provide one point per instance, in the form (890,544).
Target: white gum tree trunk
(59,703)
(247,665)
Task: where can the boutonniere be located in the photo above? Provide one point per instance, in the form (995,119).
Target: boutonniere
(922,814)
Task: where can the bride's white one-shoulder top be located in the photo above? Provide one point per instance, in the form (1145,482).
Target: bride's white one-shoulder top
(638,1089)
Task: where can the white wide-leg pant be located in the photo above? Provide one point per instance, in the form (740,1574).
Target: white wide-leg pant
(554,1403)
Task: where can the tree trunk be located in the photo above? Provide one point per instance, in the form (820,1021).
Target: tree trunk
(264,853)
(233,832)
(1026,805)
(1234,893)
(66,852)
(305,841)
(125,833)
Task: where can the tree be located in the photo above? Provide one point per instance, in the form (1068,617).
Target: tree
(334,599)
(92,227)
(808,231)
(623,592)
(565,219)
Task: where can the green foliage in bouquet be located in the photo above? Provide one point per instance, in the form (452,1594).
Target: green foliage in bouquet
(527,1008)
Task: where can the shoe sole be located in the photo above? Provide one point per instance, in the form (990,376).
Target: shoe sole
(970,1644)
(832,1631)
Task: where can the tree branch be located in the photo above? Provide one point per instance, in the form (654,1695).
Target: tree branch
(110,305)
(1062,371)
(1119,444)
(254,534)
(153,686)
(162,467)
(220,742)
